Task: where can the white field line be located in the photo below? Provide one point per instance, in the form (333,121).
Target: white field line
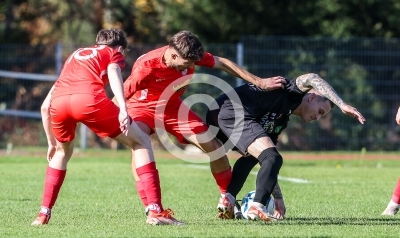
(293,180)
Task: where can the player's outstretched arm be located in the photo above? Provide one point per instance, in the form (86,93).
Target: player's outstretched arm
(116,84)
(237,71)
(280,208)
(398,116)
(310,81)
(48,129)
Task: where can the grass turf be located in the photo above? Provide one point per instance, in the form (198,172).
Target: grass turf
(342,198)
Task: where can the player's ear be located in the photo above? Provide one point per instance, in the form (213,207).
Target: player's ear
(174,56)
(120,49)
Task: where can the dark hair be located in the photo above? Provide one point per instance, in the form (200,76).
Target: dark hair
(324,99)
(321,98)
(111,37)
(187,45)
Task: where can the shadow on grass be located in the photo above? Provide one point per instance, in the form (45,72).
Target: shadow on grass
(388,221)
(341,221)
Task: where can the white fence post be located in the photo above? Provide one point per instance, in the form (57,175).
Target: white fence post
(83,132)
(239,61)
(58,58)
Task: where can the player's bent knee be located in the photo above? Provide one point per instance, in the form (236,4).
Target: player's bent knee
(215,147)
(215,144)
(272,156)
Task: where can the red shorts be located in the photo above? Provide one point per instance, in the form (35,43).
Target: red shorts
(177,119)
(97,112)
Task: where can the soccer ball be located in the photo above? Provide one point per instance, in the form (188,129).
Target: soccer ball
(248,199)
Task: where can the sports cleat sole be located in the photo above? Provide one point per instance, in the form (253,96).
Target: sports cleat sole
(224,213)
(40,221)
(256,214)
(253,217)
(157,222)
(226,206)
(163,218)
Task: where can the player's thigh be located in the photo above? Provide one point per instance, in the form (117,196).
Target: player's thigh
(63,123)
(241,134)
(259,145)
(144,127)
(135,138)
(144,118)
(185,124)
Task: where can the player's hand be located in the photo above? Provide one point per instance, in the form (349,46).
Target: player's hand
(352,112)
(280,208)
(398,116)
(50,152)
(272,83)
(124,120)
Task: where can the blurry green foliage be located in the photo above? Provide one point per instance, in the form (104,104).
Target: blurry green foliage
(363,77)
(154,21)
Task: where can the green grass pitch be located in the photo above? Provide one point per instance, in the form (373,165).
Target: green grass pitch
(330,198)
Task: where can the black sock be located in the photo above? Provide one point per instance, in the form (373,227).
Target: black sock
(240,172)
(271,162)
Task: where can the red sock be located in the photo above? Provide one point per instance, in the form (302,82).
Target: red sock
(223,179)
(141,192)
(148,175)
(396,193)
(52,185)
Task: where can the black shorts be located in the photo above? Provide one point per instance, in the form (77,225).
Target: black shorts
(236,133)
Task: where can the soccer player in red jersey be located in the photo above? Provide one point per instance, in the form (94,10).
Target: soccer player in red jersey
(168,70)
(79,96)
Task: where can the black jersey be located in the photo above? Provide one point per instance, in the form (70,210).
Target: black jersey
(271,109)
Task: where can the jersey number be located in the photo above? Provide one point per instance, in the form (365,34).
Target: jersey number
(77,54)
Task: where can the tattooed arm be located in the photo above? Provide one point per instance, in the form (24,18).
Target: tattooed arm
(277,193)
(306,82)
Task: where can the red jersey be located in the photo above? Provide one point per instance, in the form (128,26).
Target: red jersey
(85,70)
(150,77)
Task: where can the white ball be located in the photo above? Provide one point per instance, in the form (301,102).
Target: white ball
(248,200)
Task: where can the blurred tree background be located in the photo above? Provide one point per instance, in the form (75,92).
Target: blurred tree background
(224,21)
(220,24)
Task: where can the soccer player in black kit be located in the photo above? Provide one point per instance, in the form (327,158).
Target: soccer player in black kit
(249,121)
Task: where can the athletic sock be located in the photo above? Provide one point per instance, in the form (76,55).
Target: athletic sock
(271,162)
(396,193)
(141,192)
(223,179)
(150,179)
(53,182)
(240,172)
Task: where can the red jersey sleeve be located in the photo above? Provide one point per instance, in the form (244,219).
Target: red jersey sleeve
(119,59)
(206,61)
(138,80)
